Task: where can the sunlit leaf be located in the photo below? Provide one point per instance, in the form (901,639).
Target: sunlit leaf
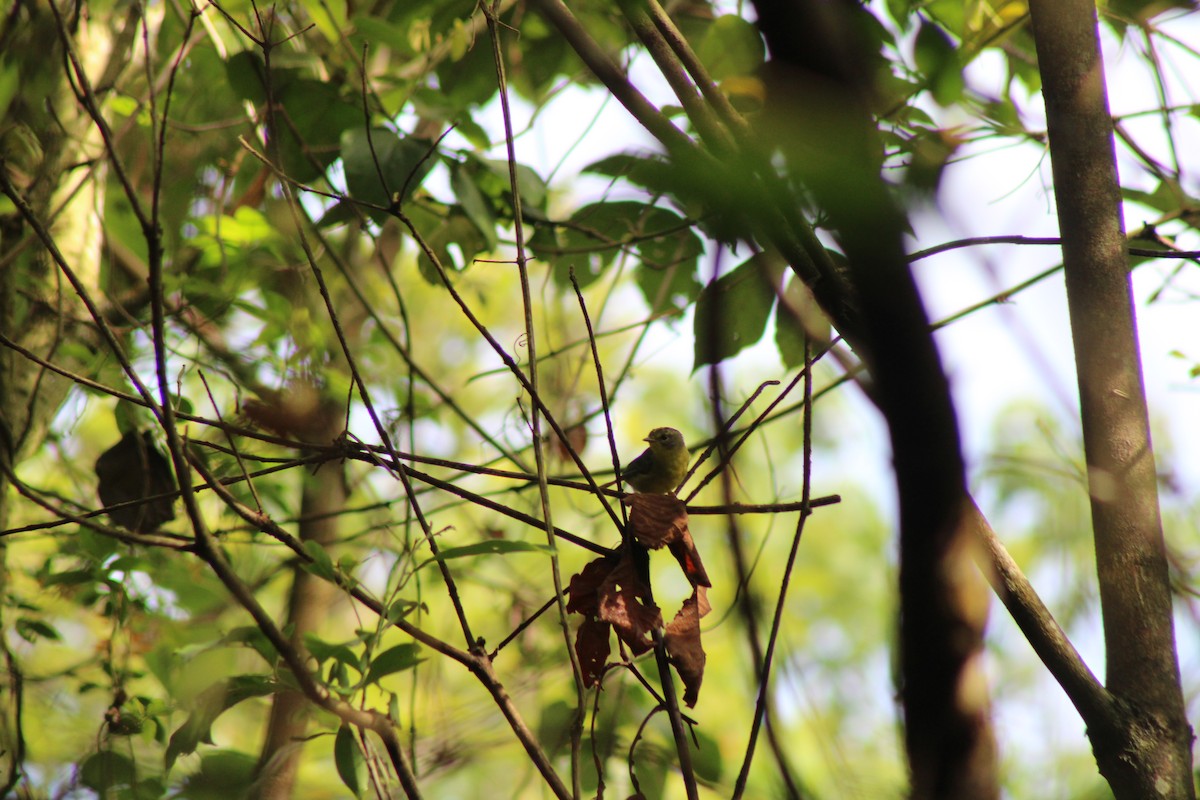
(732,46)
(488,547)
(392,660)
(209,705)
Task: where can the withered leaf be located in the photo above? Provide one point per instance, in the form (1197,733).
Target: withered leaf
(658,520)
(627,602)
(682,639)
(133,469)
(299,412)
(583,588)
(592,647)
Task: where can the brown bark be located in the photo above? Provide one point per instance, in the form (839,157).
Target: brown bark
(1148,752)
(308,606)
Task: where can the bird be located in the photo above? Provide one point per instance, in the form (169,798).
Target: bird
(661,466)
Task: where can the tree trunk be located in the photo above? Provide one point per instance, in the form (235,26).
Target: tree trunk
(308,607)
(1149,753)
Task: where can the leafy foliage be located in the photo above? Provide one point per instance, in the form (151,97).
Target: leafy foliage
(311,251)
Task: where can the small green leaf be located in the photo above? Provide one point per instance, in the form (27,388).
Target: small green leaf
(937,59)
(321,564)
(487,547)
(323,651)
(348,758)
(732,311)
(31,630)
(395,659)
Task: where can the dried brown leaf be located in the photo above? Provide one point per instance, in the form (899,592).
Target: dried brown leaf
(584,586)
(661,520)
(682,639)
(133,469)
(656,520)
(627,602)
(592,646)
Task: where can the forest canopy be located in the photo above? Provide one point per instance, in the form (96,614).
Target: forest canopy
(337,336)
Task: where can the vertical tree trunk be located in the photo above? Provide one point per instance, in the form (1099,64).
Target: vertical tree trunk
(308,606)
(42,130)
(820,88)
(1150,756)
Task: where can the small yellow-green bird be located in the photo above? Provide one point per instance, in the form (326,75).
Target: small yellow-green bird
(661,466)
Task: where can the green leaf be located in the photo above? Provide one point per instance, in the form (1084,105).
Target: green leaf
(321,564)
(210,704)
(790,318)
(395,659)
(351,767)
(31,630)
(442,229)
(10,83)
(531,186)
(487,547)
(400,609)
(374,30)
(473,203)
(106,770)
(732,311)
(312,117)
(731,47)
(251,636)
(222,774)
(380,165)
(596,233)
(937,60)
(323,651)
(651,172)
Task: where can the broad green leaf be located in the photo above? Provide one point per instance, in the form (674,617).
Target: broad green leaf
(376,31)
(323,651)
(473,203)
(452,237)
(651,172)
(469,80)
(790,334)
(210,704)
(311,118)
(252,636)
(732,312)
(329,17)
(382,164)
(222,774)
(348,759)
(104,771)
(937,59)
(10,81)
(732,46)
(395,659)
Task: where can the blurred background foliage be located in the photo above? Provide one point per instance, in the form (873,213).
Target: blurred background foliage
(138,674)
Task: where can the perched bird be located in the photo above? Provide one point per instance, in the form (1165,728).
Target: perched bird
(661,466)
